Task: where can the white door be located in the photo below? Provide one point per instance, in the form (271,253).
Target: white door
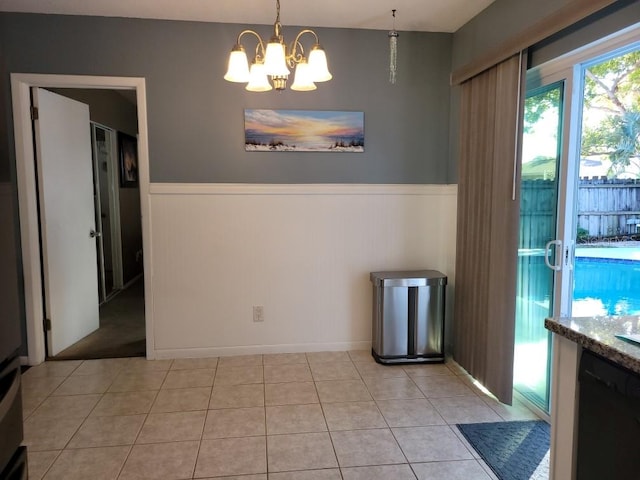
(65,182)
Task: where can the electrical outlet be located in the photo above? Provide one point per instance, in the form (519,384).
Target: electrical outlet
(258,314)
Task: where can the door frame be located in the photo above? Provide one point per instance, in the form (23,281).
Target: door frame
(114,203)
(21,84)
(97,213)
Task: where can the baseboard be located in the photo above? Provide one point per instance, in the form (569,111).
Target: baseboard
(117,292)
(132,281)
(301,189)
(171,353)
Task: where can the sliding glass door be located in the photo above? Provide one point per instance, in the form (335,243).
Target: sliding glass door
(579,251)
(607,263)
(538,248)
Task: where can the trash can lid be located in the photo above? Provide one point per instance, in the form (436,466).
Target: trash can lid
(414,278)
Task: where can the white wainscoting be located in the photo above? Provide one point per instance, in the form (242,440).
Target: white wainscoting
(303,252)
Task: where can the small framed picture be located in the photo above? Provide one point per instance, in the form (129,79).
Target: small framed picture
(128,150)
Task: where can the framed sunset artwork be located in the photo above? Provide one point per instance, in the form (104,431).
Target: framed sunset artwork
(303,131)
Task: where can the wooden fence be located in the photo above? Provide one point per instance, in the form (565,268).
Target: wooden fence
(606,209)
(609,208)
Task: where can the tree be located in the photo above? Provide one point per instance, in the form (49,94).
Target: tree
(536,105)
(612,96)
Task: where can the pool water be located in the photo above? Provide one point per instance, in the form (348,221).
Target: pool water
(606,287)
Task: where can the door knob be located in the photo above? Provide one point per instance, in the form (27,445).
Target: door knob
(94,234)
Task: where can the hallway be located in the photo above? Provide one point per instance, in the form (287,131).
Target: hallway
(121,332)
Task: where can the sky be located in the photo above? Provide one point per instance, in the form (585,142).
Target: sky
(291,123)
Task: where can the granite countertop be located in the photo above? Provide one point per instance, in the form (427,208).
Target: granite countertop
(598,335)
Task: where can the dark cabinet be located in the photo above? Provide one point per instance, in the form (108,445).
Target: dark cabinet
(608,420)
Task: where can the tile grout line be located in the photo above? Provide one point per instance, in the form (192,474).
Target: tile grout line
(85,419)
(331,436)
(204,424)
(65,448)
(393,434)
(326,423)
(435,408)
(124,462)
(126,458)
(52,463)
(264,409)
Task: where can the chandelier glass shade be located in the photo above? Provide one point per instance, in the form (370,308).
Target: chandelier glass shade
(272,64)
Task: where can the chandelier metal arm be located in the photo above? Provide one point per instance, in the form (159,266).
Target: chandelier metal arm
(302,32)
(260,41)
(294,56)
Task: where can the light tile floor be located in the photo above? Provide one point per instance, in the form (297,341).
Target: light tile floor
(315,416)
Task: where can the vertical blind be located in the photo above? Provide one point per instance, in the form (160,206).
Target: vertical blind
(488,218)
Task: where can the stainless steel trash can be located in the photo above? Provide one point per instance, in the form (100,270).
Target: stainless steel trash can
(408,316)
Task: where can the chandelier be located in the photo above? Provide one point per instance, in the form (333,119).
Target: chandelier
(271,64)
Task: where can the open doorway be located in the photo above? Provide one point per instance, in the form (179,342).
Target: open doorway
(118,238)
(28,195)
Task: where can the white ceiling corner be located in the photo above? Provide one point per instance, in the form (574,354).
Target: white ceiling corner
(412,15)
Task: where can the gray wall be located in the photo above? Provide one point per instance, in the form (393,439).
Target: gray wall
(196,118)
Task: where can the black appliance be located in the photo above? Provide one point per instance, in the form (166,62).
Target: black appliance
(608,420)
(13,457)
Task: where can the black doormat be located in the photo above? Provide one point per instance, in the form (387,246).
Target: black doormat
(513,450)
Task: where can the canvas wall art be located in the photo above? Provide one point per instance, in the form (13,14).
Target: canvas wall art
(303,131)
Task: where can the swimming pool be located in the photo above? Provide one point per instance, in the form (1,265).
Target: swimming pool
(606,286)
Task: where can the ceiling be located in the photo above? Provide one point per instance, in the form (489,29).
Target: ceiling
(412,15)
